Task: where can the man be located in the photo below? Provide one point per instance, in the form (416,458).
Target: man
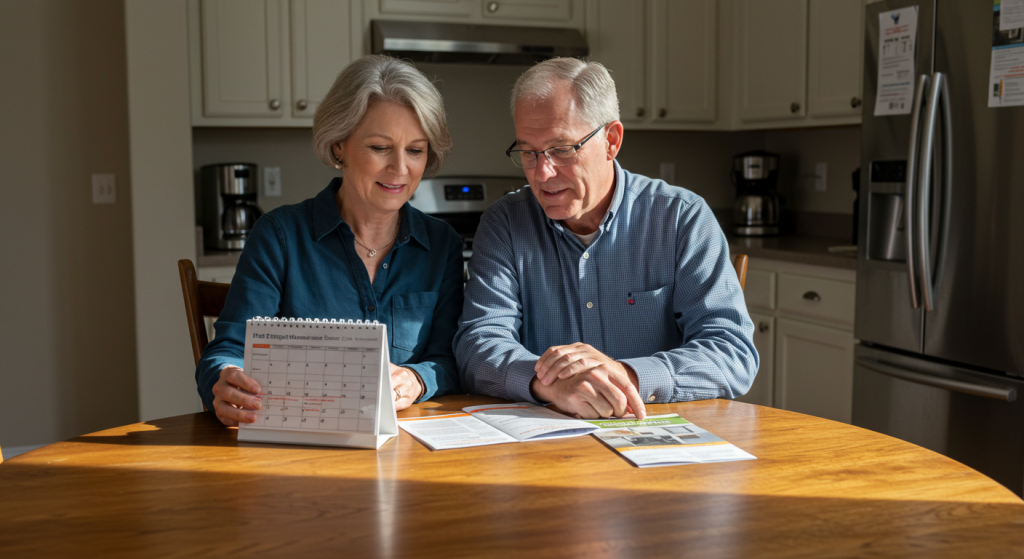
(596,289)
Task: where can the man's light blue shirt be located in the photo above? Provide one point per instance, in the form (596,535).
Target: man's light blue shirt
(655,290)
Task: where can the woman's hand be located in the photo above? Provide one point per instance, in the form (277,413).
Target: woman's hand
(406,386)
(235,395)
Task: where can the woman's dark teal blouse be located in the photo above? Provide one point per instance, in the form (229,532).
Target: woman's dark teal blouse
(300,261)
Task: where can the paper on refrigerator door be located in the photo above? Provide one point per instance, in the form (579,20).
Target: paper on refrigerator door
(897,56)
(1006,73)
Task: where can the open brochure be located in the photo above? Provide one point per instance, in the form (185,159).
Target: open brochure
(664,440)
(493,424)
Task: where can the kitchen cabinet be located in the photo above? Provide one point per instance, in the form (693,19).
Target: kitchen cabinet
(814,369)
(762,391)
(663,57)
(268,62)
(798,63)
(545,13)
(772,59)
(836,58)
(803,332)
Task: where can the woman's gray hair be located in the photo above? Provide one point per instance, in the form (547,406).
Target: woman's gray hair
(380,78)
(596,102)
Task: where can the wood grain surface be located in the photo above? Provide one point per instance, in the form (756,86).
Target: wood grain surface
(184,487)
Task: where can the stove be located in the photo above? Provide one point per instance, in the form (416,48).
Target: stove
(460,201)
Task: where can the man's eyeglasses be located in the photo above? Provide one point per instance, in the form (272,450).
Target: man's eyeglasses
(559,156)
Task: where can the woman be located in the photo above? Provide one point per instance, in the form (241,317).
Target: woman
(357,250)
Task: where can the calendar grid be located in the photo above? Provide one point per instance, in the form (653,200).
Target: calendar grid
(316,387)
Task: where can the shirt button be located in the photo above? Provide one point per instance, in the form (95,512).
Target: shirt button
(651,398)
(385,265)
(586,255)
(590,305)
(370,308)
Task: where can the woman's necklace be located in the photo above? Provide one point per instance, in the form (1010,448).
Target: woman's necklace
(373,251)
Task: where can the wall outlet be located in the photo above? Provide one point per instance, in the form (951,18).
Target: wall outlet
(271,181)
(820,176)
(667,172)
(104,188)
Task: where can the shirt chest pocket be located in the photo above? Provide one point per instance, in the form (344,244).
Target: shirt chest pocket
(649,309)
(412,315)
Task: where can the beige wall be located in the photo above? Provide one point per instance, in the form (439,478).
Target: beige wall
(163,232)
(67,332)
(800,150)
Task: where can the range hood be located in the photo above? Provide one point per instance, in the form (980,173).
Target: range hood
(480,44)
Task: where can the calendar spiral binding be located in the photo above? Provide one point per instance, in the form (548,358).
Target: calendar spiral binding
(316,323)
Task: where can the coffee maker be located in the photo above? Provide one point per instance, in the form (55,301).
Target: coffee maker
(229,204)
(757,202)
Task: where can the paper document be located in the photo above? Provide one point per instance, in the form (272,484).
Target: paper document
(897,57)
(1006,73)
(665,440)
(493,424)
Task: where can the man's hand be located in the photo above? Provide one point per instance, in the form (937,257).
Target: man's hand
(581,380)
(234,396)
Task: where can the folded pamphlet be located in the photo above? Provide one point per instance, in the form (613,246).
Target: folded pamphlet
(493,424)
(664,440)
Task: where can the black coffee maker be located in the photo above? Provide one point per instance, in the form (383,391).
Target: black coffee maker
(229,204)
(757,208)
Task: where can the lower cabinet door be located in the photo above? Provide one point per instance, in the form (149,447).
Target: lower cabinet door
(761,393)
(814,373)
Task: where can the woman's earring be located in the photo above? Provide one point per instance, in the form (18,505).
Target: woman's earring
(337,163)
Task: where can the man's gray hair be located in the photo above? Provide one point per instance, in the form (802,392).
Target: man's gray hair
(596,102)
(380,78)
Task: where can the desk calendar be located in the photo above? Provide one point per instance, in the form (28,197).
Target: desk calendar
(323,382)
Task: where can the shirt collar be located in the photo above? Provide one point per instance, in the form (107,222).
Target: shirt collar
(327,218)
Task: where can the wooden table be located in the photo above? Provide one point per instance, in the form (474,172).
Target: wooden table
(183,486)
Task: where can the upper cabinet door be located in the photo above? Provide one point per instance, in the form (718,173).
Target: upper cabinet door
(540,10)
(464,8)
(772,59)
(615,35)
(324,38)
(683,60)
(242,49)
(835,57)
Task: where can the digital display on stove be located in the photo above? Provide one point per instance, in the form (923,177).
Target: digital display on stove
(463,192)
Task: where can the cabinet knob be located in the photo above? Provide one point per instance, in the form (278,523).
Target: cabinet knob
(794,108)
(492,7)
(812,296)
(762,326)
(662,113)
(275,104)
(302,104)
(855,102)
(640,112)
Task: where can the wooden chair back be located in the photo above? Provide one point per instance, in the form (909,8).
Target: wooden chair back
(740,263)
(202,299)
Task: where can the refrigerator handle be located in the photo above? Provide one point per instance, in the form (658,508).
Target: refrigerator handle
(917,377)
(937,98)
(909,206)
(924,191)
(947,180)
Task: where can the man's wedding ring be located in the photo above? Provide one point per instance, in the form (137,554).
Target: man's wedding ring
(398,393)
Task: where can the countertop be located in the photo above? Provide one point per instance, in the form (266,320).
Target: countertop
(802,249)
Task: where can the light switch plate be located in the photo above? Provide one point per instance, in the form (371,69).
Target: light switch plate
(271,181)
(104,188)
(820,176)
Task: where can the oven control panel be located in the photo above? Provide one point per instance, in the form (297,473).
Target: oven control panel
(463,192)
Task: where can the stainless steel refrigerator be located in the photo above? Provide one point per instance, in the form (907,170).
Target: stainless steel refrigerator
(940,275)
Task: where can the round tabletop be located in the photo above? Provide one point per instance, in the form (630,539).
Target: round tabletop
(185,486)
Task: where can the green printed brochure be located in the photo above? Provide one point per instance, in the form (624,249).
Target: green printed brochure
(664,440)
